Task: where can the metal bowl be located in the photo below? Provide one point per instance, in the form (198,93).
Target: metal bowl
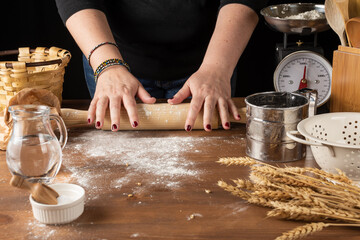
(275,16)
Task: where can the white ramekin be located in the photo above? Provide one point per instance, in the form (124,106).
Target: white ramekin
(70,205)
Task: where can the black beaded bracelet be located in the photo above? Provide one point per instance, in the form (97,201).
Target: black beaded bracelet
(108,63)
(97,46)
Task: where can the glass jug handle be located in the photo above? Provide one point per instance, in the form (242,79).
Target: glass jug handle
(62,129)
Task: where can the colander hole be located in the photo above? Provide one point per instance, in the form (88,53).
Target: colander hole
(355,133)
(325,134)
(316,126)
(350,123)
(345,126)
(349,142)
(320,133)
(356,121)
(355,126)
(344,138)
(354,139)
(343,132)
(349,136)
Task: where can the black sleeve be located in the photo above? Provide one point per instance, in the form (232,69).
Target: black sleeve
(256,5)
(66,8)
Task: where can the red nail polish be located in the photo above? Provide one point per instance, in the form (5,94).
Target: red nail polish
(98,124)
(114,127)
(227,124)
(89,120)
(135,124)
(208,127)
(188,128)
(239,116)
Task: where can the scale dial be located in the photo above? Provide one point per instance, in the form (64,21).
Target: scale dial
(304,69)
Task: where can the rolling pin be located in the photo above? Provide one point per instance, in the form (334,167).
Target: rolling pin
(158,116)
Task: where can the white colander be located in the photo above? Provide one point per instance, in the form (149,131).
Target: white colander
(334,139)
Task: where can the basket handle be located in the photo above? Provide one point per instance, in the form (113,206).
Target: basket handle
(291,135)
(32,64)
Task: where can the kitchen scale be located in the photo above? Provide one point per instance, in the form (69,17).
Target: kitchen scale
(300,64)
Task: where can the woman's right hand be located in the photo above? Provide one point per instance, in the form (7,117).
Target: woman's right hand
(116,86)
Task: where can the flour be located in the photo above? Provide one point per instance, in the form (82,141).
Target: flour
(40,231)
(309,15)
(161,158)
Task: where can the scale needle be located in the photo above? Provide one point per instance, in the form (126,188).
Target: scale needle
(303,81)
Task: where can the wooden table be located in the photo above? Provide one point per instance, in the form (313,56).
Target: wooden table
(167,202)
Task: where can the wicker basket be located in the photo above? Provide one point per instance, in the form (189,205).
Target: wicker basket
(36,68)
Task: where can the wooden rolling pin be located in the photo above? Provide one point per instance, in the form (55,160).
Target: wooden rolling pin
(159,116)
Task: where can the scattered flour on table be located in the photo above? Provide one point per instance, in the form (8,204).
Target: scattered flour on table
(162,158)
(40,231)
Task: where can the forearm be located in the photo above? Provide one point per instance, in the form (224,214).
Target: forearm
(234,27)
(89,27)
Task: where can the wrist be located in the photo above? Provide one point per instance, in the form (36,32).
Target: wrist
(107,64)
(102,54)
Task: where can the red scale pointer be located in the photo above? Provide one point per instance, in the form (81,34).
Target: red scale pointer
(303,81)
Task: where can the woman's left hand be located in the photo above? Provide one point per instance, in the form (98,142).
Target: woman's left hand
(209,90)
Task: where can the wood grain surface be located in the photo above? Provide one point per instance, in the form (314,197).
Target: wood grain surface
(345,85)
(156,212)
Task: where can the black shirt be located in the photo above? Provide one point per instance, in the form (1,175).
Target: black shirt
(159,39)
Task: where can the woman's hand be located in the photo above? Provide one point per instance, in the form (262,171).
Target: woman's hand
(116,86)
(210,85)
(209,90)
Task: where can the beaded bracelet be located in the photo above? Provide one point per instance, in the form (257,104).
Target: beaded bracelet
(108,63)
(97,46)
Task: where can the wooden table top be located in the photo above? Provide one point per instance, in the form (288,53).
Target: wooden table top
(167,173)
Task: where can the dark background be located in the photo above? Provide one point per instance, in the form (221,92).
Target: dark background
(36,23)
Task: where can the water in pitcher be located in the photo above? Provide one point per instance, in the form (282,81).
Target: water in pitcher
(34,157)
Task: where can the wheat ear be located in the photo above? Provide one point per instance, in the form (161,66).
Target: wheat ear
(305,230)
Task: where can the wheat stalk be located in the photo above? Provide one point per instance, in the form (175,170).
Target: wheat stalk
(295,216)
(302,231)
(243,161)
(305,230)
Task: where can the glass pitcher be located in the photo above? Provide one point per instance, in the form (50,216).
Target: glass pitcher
(34,152)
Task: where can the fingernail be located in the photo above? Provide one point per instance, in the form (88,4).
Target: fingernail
(227,124)
(114,127)
(238,116)
(89,120)
(188,128)
(98,124)
(135,124)
(208,127)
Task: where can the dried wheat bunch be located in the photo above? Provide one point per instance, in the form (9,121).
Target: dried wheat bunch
(294,193)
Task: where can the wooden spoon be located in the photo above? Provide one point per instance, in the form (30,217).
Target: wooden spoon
(354,8)
(335,19)
(343,6)
(353,31)
(40,192)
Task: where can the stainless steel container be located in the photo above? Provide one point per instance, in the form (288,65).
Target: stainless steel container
(269,116)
